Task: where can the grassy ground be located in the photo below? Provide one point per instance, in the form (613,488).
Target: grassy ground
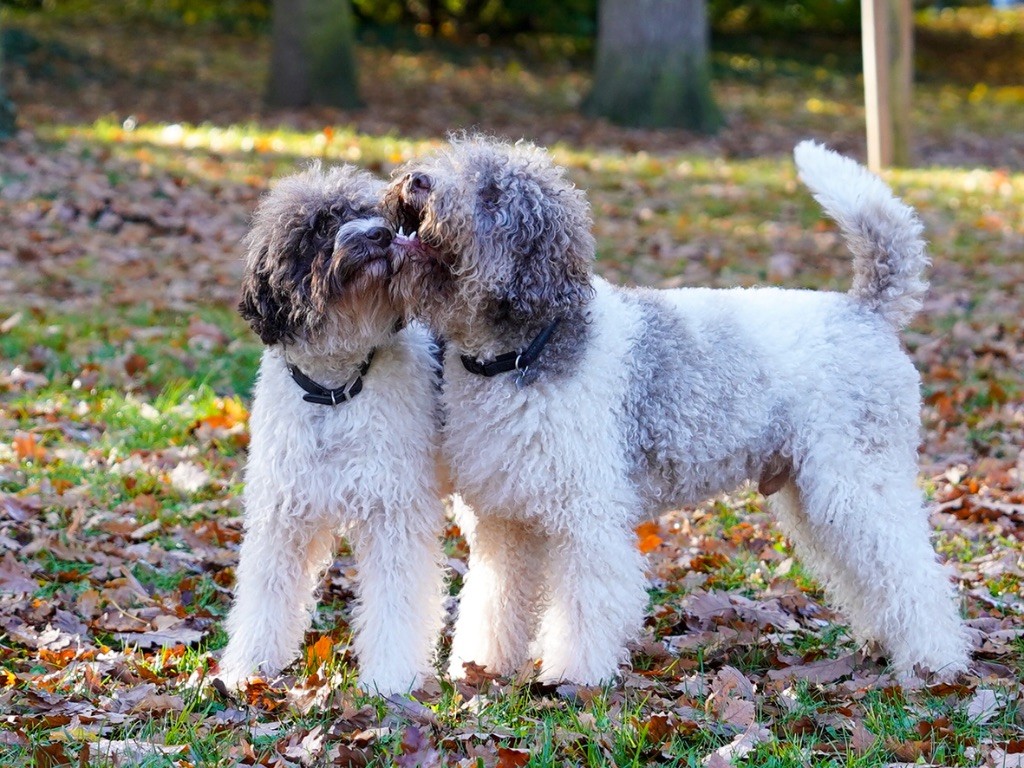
(125,379)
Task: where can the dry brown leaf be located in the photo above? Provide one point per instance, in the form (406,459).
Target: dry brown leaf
(133,752)
(417,750)
(16,577)
(510,757)
(983,706)
(739,747)
(824,671)
(862,740)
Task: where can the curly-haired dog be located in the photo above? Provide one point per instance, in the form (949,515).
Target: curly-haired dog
(576,408)
(344,438)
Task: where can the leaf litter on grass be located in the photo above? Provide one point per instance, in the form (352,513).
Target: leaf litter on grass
(122,407)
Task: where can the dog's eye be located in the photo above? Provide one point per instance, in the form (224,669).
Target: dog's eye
(490,197)
(322,224)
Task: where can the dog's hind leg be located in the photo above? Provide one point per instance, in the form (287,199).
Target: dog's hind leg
(500,596)
(400,586)
(866,539)
(279,567)
(598,595)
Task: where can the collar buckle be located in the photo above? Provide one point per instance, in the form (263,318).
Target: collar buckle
(519,362)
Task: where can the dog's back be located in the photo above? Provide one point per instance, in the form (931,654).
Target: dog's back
(725,382)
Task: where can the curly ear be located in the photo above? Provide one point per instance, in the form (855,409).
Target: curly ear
(553,249)
(267,311)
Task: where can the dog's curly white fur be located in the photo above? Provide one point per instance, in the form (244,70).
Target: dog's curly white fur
(646,400)
(315,290)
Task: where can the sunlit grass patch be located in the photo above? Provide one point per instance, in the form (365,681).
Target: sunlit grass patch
(243,153)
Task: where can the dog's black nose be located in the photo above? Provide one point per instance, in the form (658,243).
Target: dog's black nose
(419,182)
(380,236)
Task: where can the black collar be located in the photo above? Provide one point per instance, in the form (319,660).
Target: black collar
(321,395)
(512,361)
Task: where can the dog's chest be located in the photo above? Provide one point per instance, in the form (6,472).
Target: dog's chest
(526,453)
(376,449)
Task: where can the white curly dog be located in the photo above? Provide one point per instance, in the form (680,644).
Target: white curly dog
(576,409)
(344,438)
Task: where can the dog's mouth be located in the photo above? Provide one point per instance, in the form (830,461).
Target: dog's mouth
(408,218)
(413,241)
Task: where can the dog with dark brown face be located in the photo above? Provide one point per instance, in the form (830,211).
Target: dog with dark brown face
(343,438)
(576,409)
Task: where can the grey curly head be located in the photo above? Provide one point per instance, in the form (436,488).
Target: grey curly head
(503,240)
(317,248)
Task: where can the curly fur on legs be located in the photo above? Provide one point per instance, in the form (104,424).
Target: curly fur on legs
(645,400)
(500,595)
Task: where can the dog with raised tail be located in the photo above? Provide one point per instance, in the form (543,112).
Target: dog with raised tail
(344,438)
(576,409)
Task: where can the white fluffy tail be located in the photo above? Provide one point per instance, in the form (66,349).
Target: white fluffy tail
(882,232)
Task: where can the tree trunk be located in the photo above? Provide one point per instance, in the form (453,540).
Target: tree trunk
(652,65)
(313,54)
(7,113)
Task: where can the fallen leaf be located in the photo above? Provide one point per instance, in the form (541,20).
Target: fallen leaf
(15,577)
(739,747)
(320,652)
(189,477)
(417,750)
(983,706)
(133,752)
(1001,758)
(647,536)
(510,757)
(862,740)
(26,448)
(824,671)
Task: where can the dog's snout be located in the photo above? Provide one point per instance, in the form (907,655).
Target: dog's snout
(419,182)
(380,236)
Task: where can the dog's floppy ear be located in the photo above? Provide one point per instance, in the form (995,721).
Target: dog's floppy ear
(554,249)
(291,238)
(267,311)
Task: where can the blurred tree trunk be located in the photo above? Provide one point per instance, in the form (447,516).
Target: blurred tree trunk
(313,54)
(7,113)
(652,67)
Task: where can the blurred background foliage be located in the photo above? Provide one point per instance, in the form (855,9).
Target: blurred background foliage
(497,19)
(966,42)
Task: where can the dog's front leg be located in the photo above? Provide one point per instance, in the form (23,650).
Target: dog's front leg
(598,595)
(400,587)
(279,567)
(500,597)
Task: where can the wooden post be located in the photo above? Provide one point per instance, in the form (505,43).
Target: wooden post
(888,43)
